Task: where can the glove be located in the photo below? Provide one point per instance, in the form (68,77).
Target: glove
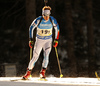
(31,43)
(55,43)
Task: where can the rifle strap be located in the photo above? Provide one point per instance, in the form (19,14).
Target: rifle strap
(41,20)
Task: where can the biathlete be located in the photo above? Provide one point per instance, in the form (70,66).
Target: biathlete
(44,25)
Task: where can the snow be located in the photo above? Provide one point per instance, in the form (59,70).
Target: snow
(52,81)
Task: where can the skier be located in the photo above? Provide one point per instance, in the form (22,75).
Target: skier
(44,25)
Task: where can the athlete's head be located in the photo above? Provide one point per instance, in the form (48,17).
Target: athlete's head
(46,11)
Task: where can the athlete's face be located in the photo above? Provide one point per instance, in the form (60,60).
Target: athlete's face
(46,14)
(46,17)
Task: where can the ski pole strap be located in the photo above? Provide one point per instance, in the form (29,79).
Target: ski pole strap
(56,42)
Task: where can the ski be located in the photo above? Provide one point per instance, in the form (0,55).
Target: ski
(19,79)
(42,79)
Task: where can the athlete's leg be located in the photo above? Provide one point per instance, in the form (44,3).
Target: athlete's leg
(37,49)
(47,50)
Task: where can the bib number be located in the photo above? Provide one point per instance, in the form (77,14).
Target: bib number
(44,32)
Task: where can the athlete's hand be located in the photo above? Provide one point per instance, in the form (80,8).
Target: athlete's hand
(55,43)
(31,43)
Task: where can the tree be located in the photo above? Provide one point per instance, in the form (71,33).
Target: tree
(70,39)
(90,35)
(30,16)
(30,11)
(52,5)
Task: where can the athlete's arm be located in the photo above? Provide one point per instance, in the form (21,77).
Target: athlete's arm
(31,28)
(56,27)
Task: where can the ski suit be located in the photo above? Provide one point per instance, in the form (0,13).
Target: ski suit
(43,39)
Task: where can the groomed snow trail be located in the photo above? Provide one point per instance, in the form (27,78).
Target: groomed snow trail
(52,81)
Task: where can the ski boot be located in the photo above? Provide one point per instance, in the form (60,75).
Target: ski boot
(27,75)
(42,73)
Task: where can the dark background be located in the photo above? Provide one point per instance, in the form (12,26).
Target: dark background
(79,43)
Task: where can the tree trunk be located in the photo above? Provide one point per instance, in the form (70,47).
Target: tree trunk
(91,46)
(30,11)
(70,39)
(52,5)
(30,16)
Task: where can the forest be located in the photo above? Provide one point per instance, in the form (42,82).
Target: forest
(79,42)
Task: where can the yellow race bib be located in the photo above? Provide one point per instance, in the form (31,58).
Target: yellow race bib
(44,32)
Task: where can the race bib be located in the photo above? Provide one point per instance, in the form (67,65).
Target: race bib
(44,32)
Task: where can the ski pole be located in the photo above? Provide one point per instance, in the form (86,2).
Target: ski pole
(97,75)
(61,75)
(30,57)
(30,53)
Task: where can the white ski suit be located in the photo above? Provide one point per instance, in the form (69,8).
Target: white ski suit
(43,39)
